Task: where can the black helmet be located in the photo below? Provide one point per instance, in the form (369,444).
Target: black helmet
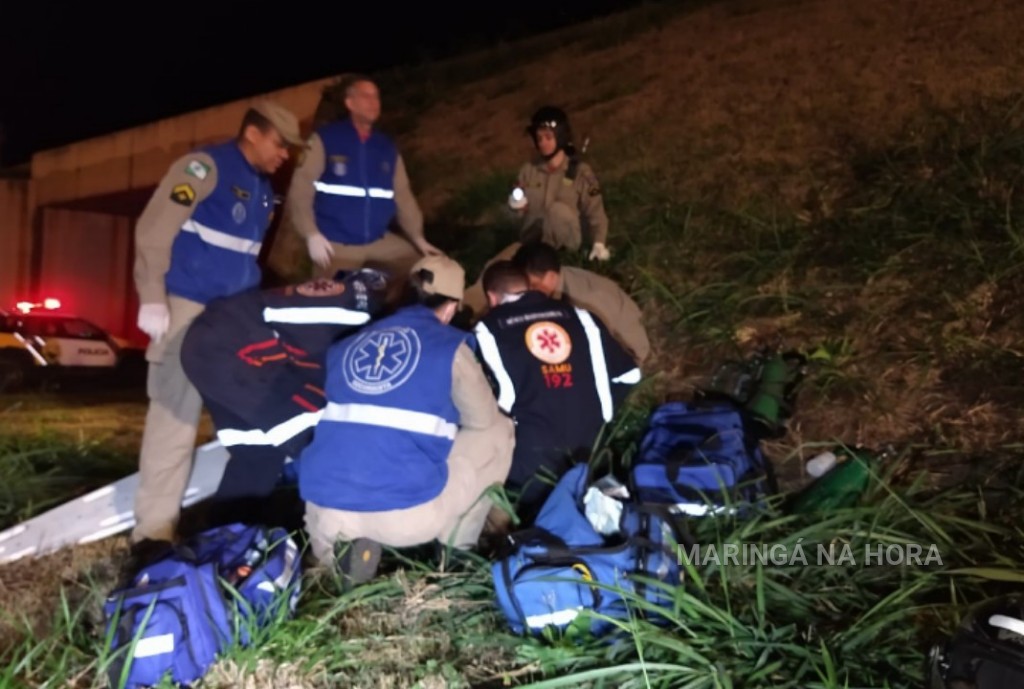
(556,120)
(987,650)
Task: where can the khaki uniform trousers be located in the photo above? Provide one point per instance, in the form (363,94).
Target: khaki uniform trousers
(169,438)
(559,227)
(392,253)
(478,459)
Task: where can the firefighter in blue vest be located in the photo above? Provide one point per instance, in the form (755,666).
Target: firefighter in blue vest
(349,186)
(411,437)
(558,372)
(197,239)
(257,360)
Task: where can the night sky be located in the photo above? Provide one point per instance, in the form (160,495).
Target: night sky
(69,71)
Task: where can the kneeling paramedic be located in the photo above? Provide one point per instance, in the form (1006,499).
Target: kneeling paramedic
(257,360)
(559,373)
(411,437)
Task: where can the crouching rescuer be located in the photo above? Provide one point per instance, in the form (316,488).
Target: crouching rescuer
(411,436)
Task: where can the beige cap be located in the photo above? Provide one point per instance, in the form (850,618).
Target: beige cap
(284,121)
(447,278)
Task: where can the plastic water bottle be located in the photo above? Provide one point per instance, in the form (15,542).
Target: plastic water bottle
(820,464)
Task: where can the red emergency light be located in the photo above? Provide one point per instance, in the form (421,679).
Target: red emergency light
(49,304)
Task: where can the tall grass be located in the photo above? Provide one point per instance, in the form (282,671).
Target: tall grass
(749,623)
(41,471)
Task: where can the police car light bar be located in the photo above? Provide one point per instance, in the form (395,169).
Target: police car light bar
(49,303)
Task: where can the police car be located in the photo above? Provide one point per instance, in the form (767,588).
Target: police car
(38,341)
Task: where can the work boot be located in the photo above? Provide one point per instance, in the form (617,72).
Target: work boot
(358,561)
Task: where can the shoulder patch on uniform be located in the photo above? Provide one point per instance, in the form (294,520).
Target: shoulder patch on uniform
(183,194)
(197,168)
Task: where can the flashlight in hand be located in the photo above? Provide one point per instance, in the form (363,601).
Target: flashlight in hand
(517,199)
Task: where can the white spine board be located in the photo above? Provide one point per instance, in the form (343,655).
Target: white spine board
(105,511)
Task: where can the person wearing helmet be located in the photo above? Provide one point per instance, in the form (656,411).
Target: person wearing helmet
(557,195)
(561,193)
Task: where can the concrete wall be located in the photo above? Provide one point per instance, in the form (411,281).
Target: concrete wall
(15,240)
(86,263)
(138,158)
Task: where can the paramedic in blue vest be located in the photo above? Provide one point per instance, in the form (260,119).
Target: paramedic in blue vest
(558,372)
(349,186)
(257,360)
(197,239)
(411,436)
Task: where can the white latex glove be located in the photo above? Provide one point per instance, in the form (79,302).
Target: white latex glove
(600,252)
(320,250)
(154,320)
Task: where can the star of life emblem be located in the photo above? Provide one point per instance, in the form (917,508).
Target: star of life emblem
(381,360)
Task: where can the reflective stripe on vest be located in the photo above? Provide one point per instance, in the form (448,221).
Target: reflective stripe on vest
(351,190)
(630,377)
(280,433)
(604,388)
(222,240)
(312,315)
(492,357)
(391,417)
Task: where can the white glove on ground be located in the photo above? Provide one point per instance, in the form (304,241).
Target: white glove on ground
(154,320)
(320,249)
(600,252)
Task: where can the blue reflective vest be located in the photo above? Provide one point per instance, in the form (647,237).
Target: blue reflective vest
(355,195)
(214,254)
(384,438)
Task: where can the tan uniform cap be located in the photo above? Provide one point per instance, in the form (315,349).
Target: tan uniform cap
(448,278)
(284,121)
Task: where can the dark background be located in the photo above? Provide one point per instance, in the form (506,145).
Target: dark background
(70,71)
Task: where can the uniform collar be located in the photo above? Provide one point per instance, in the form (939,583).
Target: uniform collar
(237,149)
(542,165)
(560,289)
(525,300)
(362,138)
